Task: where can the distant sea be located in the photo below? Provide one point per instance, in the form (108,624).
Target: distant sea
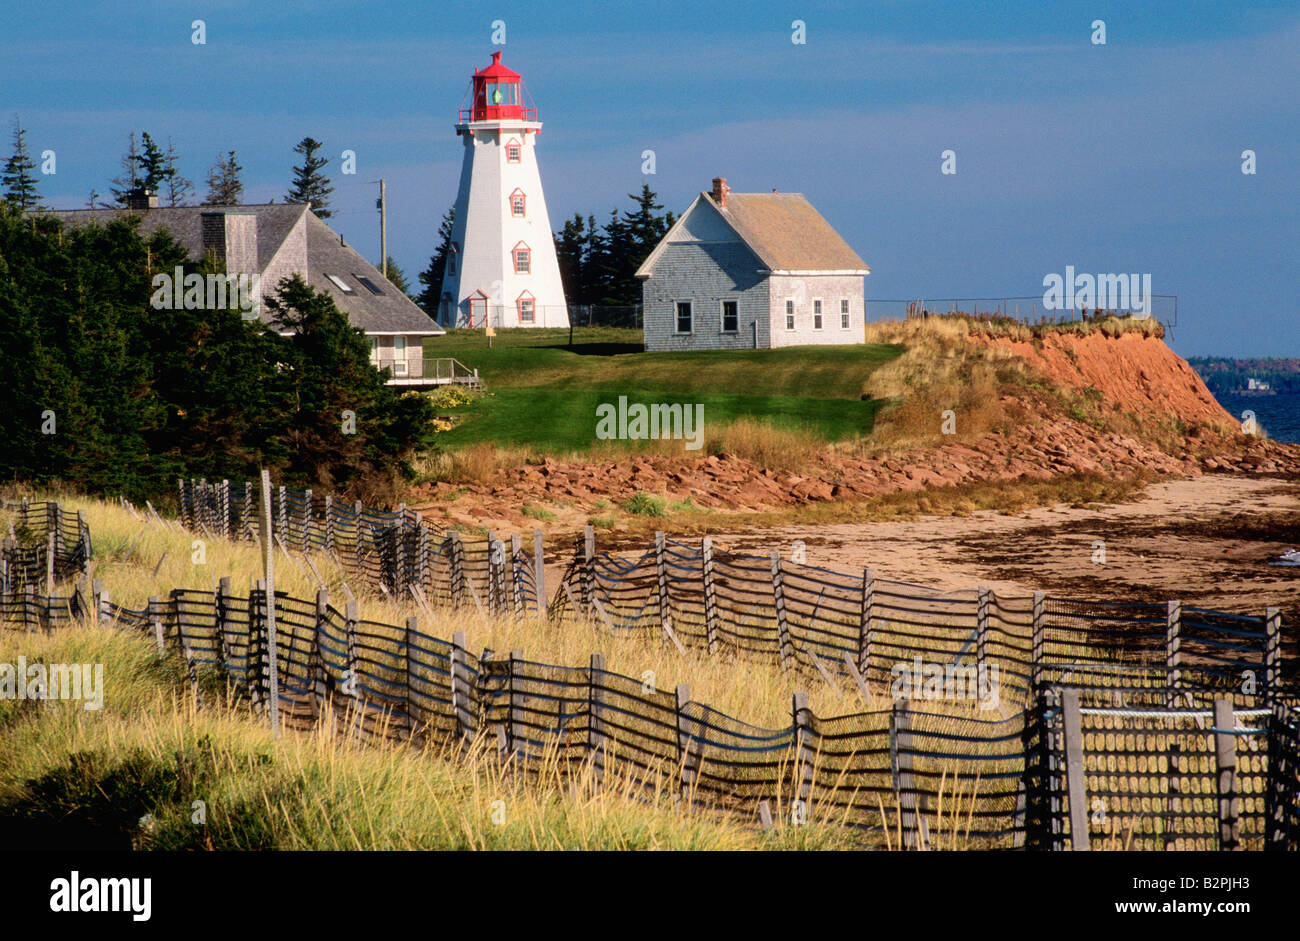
(1278,414)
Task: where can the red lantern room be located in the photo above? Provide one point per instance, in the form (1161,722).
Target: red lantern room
(497,93)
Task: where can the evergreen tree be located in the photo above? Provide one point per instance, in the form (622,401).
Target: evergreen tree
(309,183)
(397,277)
(126,182)
(19,177)
(326,369)
(571,252)
(179,188)
(432,277)
(224,186)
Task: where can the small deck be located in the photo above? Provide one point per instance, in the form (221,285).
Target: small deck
(443,371)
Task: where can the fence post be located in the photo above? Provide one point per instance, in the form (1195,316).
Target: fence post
(155,622)
(49,564)
(99,597)
(785,645)
(186,519)
(595,725)
(1039,640)
(710,595)
(539,574)
(866,622)
(460,689)
(224,499)
(900,754)
(283,516)
(412,705)
(401,577)
(31,620)
(495,566)
(308,518)
(1075,781)
(421,553)
(223,600)
(589,570)
(1173,643)
(317,666)
(516,588)
(352,676)
(512,745)
(805,731)
(247,513)
(1272,652)
(661,581)
(685,743)
(1225,755)
(982,626)
(457,560)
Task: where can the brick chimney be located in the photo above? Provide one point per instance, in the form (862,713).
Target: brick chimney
(142,200)
(720,191)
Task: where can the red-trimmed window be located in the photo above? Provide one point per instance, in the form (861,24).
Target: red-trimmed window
(527,307)
(518,204)
(523,258)
(514,151)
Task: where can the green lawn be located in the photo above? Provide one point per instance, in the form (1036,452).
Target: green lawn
(544,394)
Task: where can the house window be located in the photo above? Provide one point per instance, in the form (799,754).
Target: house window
(844,315)
(527,308)
(399,356)
(817,315)
(789,321)
(340,284)
(523,256)
(789,309)
(517,203)
(514,151)
(684,317)
(368,284)
(374,349)
(730,317)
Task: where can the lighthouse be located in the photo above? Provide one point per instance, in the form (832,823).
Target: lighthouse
(502,270)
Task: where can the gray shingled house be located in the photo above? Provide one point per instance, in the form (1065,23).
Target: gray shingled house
(275,241)
(751,270)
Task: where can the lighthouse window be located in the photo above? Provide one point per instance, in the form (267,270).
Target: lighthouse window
(513,152)
(527,309)
(517,203)
(523,260)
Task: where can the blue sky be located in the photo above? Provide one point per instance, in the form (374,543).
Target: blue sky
(1117,158)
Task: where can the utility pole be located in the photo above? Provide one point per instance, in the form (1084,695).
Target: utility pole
(383,230)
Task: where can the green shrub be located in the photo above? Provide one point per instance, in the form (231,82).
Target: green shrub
(644,504)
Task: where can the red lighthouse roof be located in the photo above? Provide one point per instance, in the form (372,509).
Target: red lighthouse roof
(497,93)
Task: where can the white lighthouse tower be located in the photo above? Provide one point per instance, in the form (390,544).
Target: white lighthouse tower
(502,271)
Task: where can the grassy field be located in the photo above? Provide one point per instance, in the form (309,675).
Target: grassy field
(543,393)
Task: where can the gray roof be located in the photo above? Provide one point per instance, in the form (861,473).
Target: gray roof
(782,229)
(388,312)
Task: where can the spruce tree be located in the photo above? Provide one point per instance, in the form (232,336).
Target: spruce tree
(19,176)
(309,183)
(396,276)
(224,186)
(571,252)
(179,188)
(126,182)
(432,277)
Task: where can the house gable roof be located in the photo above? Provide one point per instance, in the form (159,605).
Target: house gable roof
(783,230)
(390,311)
